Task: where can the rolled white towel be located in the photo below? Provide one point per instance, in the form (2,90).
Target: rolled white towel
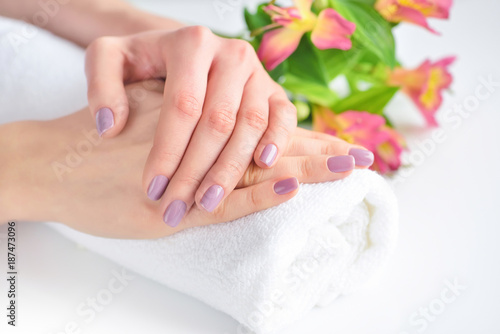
(271,267)
(266,269)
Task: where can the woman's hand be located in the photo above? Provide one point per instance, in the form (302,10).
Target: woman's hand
(220,109)
(61,170)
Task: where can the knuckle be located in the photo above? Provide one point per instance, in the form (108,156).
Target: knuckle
(101,43)
(281,130)
(307,169)
(255,119)
(243,50)
(162,157)
(99,47)
(102,46)
(187,105)
(235,168)
(287,109)
(221,119)
(255,198)
(189,181)
(290,113)
(325,149)
(199,34)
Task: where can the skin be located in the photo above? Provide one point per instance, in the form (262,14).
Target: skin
(101,194)
(220,107)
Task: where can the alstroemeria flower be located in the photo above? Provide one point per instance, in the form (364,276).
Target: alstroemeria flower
(424,85)
(329,31)
(414,11)
(365,129)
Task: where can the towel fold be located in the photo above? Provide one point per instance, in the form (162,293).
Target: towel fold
(271,267)
(266,269)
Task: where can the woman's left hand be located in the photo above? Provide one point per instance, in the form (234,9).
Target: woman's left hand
(60,170)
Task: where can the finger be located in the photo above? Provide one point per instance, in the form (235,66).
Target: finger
(245,201)
(252,120)
(302,146)
(328,144)
(224,94)
(104,68)
(282,123)
(184,95)
(307,169)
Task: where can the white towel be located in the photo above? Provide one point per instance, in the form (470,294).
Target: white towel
(266,269)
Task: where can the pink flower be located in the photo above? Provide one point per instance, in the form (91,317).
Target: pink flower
(329,30)
(424,85)
(365,129)
(414,11)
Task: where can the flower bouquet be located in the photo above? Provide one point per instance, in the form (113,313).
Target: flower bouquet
(336,59)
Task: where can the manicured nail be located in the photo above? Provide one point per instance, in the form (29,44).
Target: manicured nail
(341,163)
(212,197)
(104,120)
(157,187)
(363,158)
(174,213)
(285,186)
(269,154)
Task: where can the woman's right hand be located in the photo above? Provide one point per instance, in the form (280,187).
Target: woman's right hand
(62,171)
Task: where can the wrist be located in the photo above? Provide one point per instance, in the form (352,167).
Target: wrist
(24,176)
(127,20)
(136,21)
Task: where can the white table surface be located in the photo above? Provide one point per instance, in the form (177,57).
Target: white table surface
(450,220)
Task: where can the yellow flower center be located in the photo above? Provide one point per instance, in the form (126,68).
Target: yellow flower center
(306,23)
(386,151)
(424,9)
(430,97)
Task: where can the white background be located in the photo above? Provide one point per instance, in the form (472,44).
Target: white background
(450,217)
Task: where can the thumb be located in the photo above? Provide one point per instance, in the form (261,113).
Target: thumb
(108,102)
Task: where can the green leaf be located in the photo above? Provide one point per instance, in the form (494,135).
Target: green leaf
(372,100)
(306,75)
(366,2)
(258,19)
(336,62)
(304,63)
(372,30)
(278,73)
(313,92)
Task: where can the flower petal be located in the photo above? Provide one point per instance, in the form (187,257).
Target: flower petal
(413,16)
(442,9)
(362,120)
(277,45)
(332,31)
(304,6)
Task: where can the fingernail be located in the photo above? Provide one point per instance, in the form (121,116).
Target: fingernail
(212,198)
(174,213)
(286,186)
(363,158)
(269,154)
(341,163)
(104,120)
(157,187)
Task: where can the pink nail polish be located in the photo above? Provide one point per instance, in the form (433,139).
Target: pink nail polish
(269,154)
